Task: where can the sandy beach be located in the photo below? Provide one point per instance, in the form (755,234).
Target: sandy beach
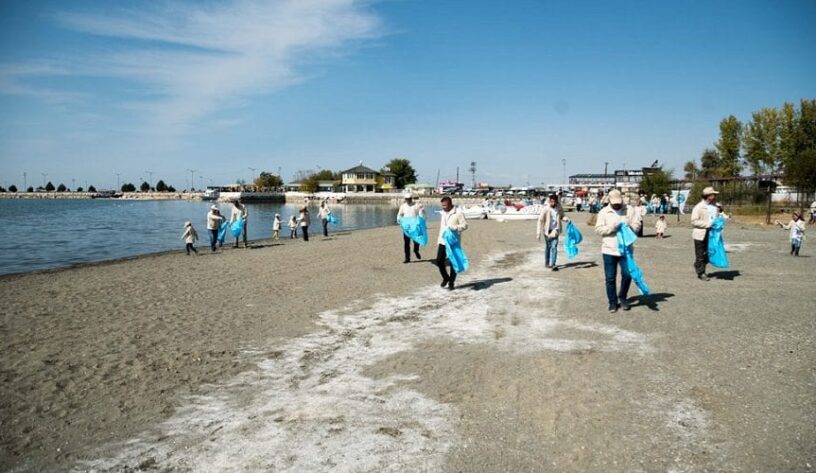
(332,355)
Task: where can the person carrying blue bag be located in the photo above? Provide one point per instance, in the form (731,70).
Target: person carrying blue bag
(449,244)
(702,218)
(240,212)
(626,242)
(716,247)
(549,224)
(411,218)
(215,221)
(571,240)
(609,222)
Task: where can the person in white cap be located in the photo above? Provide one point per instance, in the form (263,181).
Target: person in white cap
(189,236)
(609,221)
(240,211)
(214,219)
(409,208)
(702,216)
(323,213)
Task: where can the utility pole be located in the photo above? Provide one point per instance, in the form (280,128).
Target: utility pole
(192,178)
(25,181)
(606,168)
(43,175)
(457,175)
(200,182)
(149,178)
(73,184)
(118,187)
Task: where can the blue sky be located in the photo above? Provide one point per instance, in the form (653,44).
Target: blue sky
(91,89)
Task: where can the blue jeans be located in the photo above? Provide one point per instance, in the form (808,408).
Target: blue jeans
(550,251)
(611,264)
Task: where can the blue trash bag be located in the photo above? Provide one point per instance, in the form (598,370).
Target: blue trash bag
(716,247)
(573,237)
(626,240)
(237,227)
(222,231)
(416,229)
(458,259)
(332,219)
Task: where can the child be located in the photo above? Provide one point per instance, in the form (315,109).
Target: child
(292,227)
(190,236)
(660,227)
(276,226)
(797,232)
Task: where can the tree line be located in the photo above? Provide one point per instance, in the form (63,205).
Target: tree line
(774,140)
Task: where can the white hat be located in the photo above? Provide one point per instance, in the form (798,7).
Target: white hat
(408,195)
(214,207)
(615,197)
(709,191)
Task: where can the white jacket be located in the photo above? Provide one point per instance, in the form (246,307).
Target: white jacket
(607,227)
(414,210)
(214,221)
(455,220)
(239,212)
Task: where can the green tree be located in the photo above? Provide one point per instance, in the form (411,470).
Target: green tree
(800,171)
(267,180)
(405,173)
(49,187)
(30,189)
(80,189)
(2,189)
(61,188)
(128,187)
(310,183)
(91,189)
(788,132)
(729,146)
(691,171)
(761,141)
(171,189)
(144,187)
(161,186)
(710,163)
(12,188)
(656,182)
(696,192)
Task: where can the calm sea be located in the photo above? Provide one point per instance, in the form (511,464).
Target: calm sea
(40,234)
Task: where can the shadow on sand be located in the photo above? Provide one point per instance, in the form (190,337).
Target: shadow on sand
(727,275)
(651,300)
(483,284)
(578,265)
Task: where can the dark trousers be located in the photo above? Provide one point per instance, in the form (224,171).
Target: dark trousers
(640,230)
(213,238)
(190,247)
(701,255)
(325,227)
(244,233)
(407,244)
(441,261)
(305,231)
(611,264)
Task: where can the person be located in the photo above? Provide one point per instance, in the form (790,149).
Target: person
(660,227)
(190,236)
(797,232)
(578,203)
(214,220)
(240,211)
(702,215)
(813,212)
(409,208)
(276,227)
(675,206)
(304,221)
(324,217)
(292,227)
(610,218)
(454,220)
(639,213)
(549,223)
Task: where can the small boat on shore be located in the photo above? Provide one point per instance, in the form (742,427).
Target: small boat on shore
(530,212)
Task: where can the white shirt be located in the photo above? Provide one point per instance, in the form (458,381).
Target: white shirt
(413,209)
(239,212)
(455,220)
(214,221)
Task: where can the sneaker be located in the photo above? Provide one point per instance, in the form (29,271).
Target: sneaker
(703,277)
(444,283)
(612,309)
(451,286)
(625,305)
(416,253)
(554,268)
(406,261)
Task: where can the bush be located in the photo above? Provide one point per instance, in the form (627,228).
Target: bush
(12,188)
(91,189)
(30,189)
(49,187)
(61,188)
(129,187)
(80,189)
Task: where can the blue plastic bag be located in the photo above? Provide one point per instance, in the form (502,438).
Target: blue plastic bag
(222,231)
(458,259)
(237,227)
(416,229)
(626,240)
(716,247)
(573,237)
(332,219)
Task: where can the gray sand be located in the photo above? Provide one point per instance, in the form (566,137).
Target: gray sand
(333,355)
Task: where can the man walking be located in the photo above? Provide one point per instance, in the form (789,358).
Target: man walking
(240,211)
(610,218)
(409,208)
(549,223)
(702,216)
(455,221)
(214,220)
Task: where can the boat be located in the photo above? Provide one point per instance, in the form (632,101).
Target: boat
(477,212)
(501,214)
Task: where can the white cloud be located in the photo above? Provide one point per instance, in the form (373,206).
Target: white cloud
(190,60)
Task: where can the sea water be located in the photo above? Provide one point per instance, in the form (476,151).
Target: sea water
(48,233)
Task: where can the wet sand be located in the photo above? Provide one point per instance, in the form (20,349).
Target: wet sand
(333,355)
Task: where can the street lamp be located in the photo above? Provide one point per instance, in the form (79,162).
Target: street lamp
(192,179)
(150,179)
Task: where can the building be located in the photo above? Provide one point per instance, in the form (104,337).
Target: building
(592,180)
(389,180)
(359,179)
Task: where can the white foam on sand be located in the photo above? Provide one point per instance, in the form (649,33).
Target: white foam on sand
(310,407)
